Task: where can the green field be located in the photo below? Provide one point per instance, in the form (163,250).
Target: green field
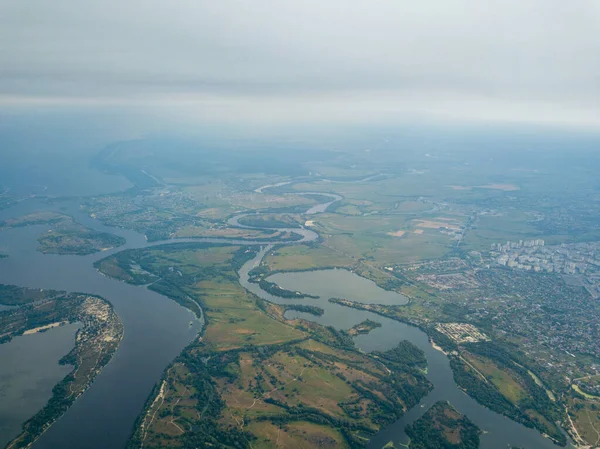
(304,257)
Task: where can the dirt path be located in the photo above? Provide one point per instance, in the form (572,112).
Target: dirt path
(579,441)
(587,412)
(161,397)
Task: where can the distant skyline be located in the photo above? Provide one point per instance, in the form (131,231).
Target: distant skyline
(309,61)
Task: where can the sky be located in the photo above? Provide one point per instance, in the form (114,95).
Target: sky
(307,61)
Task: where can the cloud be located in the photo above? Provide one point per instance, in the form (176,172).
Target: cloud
(309,60)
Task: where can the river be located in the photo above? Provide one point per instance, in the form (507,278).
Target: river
(500,432)
(157,329)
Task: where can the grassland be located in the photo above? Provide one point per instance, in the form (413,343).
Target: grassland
(382,238)
(584,419)
(301,435)
(220,195)
(305,257)
(495,380)
(254,377)
(234,319)
(503,379)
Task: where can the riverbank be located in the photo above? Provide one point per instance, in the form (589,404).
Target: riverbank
(259,370)
(96,341)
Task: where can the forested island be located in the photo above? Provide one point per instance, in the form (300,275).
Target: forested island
(363,328)
(443,427)
(405,354)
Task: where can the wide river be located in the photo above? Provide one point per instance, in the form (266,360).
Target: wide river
(157,329)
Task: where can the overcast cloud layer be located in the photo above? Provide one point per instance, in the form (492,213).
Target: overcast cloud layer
(308,60)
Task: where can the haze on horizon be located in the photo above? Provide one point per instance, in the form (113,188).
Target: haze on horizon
(511,61)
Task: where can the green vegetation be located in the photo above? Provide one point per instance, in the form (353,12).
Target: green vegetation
(491,375)
(251,366)
(276,290)
(406,354)
(97,339)
(67,236)
(313,310)
(11,295)
(443,427)
(78,241)
(363,328)
(34,219)
(270,221)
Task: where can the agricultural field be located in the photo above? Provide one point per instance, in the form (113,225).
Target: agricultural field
(253,373)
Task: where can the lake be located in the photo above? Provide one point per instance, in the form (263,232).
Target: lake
(500,432)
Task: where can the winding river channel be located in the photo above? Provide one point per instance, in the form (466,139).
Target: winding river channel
(157,329)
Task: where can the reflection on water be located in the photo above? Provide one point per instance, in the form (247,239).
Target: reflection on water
(28,372)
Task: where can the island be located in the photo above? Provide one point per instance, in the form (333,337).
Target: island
(442,426)
(66,236)
(363,328)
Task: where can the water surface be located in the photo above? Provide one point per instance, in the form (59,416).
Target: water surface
(500,432)
(337,283)
(28,372)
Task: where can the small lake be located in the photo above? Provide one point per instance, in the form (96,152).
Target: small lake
(337,283)
(500,432)
(28,372)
